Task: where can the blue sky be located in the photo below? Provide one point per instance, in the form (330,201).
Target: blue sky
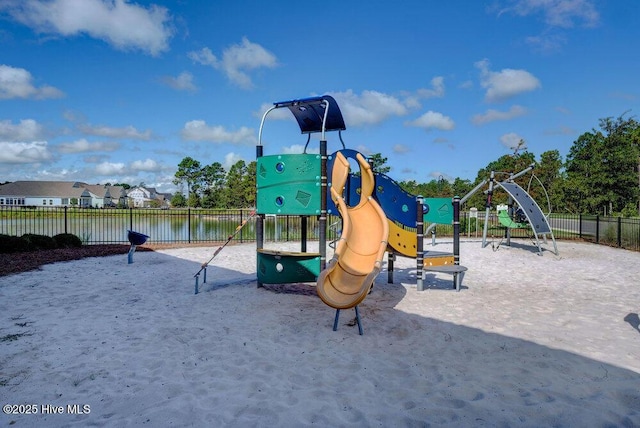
(121,91)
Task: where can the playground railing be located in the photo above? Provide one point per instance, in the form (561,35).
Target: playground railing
(203,225)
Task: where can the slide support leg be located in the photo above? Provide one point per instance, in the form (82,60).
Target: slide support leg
(358,320)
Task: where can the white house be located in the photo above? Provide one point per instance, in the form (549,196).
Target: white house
(145,197)
(106,196)
(60,194)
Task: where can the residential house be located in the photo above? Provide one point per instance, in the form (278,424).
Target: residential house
(61,194)
(145,197)
(45,193)
(106,196)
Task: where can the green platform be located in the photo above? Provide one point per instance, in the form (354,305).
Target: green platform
(283,267)
(289,184)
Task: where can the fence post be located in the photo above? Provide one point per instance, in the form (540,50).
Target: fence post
(598,229)
(65,220)
(130,218)
(241,230)
(189,225)
(619,232)
(580,226)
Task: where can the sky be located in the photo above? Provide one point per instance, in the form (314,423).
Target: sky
(119,91)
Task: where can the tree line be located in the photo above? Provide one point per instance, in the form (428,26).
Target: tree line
(600,175)
(211,186)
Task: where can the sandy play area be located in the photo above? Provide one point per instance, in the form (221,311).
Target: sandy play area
(529,341)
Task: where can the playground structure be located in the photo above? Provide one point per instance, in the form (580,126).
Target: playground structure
(385,218)
(406,215)
(295,184)
(527,215)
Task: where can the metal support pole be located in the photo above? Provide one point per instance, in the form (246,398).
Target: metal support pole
(189,225)
(488,209)
(419,243)
(456,230)
(323,202)
(259,220)
(303,233)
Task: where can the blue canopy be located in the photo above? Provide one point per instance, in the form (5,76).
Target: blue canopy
(309,113)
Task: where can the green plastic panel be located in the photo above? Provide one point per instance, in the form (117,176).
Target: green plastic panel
(285,268)
(288,184)
(440,210)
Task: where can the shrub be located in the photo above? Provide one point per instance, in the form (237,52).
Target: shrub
(39,242)
(13,244)
(67,240)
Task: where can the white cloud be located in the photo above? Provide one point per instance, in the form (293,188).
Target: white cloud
(230,159)
(26,130)
(204,56)
(546,43)
(369,108)
(148,165)
(493,115)
(511,140)
(436,90)
(432,119)
(109,168)
(18,83)
(277,114)
(198,130)
(557,13)
(182,82)
(22,153)
(120,23)
(400,148)
(128,132)
(82,146)
(505,83)
(237,60)
(293,149)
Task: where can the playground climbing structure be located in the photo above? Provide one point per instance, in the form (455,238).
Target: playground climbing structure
(405,214)
(295,184)
(536,220)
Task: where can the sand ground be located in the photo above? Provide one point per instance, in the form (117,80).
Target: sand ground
(529,341)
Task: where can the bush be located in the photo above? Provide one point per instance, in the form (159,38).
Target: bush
(67,240)
(39,242)
(13,244)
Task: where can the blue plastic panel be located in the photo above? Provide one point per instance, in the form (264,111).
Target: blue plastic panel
(309,113)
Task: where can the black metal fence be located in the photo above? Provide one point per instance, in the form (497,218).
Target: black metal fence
(189,225)
(163,226)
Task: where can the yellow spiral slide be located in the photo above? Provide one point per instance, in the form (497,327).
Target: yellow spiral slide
(359,253)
